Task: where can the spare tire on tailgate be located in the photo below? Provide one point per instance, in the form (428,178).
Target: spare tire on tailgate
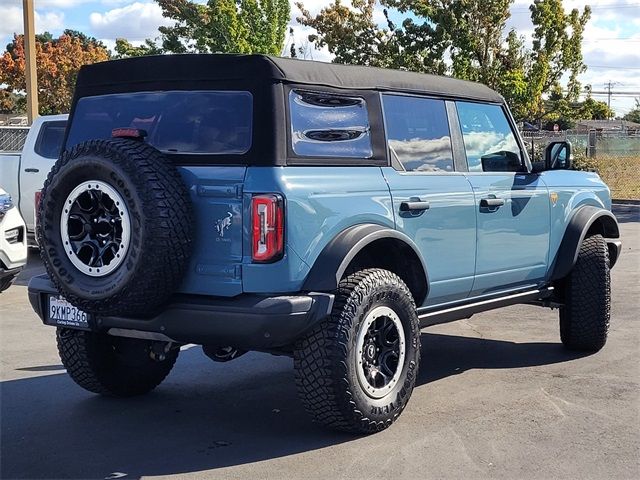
(115,227)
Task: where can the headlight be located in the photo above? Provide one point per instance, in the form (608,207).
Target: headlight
(6,204)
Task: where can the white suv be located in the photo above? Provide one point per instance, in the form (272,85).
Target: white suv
(13,241)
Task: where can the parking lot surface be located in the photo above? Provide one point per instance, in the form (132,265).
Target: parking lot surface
(497,397)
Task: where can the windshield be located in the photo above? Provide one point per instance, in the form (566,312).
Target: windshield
(197,122)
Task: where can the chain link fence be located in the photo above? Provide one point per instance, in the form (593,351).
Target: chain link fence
(12,138)
(614,155)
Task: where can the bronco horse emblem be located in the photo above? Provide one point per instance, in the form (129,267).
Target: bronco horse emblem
(224,224)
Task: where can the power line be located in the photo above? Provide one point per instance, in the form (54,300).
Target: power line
(613,67)
(611,6)
(611,39)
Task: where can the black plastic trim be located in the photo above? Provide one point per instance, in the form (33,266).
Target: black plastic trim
(615,249)
(250,322)
(457,140)
(333,261)
(578,227)
(9,272)
(466,310)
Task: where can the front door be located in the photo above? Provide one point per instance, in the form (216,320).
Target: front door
(512,206)
(434,205)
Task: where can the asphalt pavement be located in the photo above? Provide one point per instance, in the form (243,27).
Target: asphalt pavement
(497,397)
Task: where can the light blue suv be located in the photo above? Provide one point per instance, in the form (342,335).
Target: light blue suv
(320,211)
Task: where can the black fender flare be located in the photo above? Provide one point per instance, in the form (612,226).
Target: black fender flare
(334,259)
(577,228)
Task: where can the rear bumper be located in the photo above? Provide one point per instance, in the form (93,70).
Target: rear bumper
(615,248)
(8,274)
(250,322)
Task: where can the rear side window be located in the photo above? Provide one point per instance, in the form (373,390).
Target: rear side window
(50,138)
(325,125)
(418,133)
(488,139)
(187,122)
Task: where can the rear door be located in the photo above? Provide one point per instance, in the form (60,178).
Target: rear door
(511,205)
(433,203)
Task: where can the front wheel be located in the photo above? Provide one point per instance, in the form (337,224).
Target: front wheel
(114,366)
(584,318)
(356,370)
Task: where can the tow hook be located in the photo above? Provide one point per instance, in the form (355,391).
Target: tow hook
(222,354)
(159,350)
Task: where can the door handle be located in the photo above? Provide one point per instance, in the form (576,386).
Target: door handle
(491,202)
(414,205)
(31,170)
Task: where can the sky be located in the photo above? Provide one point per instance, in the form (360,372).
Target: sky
(611,46)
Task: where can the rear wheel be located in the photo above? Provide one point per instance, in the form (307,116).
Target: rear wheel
(584,318)
(356,370)
(115,366)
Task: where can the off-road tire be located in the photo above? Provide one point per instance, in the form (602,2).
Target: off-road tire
(96,362)
(584,318)
(325,359)
(161,220)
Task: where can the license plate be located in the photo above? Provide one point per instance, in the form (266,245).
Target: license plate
(63,314)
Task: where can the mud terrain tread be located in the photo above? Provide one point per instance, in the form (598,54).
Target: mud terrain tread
(89,364)
(584,320)
(321,373)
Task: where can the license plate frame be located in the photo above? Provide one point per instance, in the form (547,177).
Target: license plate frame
(60,313)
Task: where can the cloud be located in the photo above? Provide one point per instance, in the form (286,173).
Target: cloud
(12,21)
(61,4)
(134,22)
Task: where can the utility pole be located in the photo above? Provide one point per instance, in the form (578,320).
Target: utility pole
(609,86)
(30,60)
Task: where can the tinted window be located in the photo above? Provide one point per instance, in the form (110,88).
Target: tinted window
(418,133)
(49,142)
(212,122)
(324,125)
(488,137)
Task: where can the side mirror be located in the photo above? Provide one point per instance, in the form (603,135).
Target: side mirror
(503,161)
(557,156)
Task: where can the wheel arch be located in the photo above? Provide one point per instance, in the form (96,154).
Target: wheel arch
(368,246)
(587,220)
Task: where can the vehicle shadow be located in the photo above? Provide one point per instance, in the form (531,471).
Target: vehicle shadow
(205,416)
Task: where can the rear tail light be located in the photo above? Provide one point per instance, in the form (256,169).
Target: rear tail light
(36,208)
(267,222)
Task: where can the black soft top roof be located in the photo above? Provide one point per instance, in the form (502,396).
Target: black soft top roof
(196,70)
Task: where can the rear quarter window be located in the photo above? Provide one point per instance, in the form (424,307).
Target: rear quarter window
(186,122)
(327,125)
(50,138)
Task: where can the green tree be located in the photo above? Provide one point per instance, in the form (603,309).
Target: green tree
(634,115)
(592,109)
(124,49)
(226,26)
(350,33)
(557,50)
